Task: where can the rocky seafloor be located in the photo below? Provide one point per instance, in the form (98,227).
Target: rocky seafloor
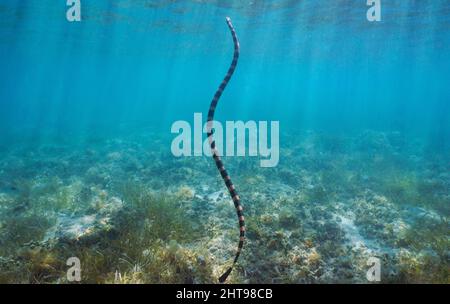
(133,213)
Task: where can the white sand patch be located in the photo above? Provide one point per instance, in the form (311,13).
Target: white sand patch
(357,241)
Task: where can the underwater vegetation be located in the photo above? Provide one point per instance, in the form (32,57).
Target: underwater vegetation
(132,213)
(145,243)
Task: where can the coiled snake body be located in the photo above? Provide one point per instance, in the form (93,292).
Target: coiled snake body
(226,178)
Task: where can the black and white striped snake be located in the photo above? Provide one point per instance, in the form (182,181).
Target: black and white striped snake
(226,178)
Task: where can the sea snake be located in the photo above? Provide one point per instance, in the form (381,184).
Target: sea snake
(226,178)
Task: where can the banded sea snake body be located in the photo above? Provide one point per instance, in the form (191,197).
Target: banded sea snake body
(226,178)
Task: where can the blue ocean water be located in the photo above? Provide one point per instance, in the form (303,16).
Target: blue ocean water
(305,63)
(320,68)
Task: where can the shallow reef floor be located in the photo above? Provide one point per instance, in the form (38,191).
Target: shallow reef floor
(133,213)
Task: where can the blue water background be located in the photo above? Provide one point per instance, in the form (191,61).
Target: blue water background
(310,64)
